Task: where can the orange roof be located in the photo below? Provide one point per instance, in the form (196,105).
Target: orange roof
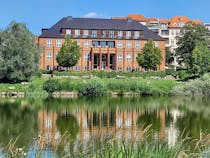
(151,19)
(164,20)
(179,21)
(137,17)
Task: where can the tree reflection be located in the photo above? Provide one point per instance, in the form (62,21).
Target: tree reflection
(17,121)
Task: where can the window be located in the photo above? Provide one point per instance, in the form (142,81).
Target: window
(119,57)
(111,34)
(128,69)
(103,34)
(120,33)
(111,44)
(87,56)
(172,42)
(58,43)
(87,68)
(94,33)
(137,44)
(128,44)
(172,32)
(119,68)
(128,34)
(49,43)
(138,69)
(49,56)
(77,32)
(68,31)
(77,68)
(129,57)
(156,44)
(78,43)
(136,34)
(119,44)
(87,44)
(85,32)
(95,44)
(103,44)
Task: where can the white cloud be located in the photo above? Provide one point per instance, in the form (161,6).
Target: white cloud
(92,15)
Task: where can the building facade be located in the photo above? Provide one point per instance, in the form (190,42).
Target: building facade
(105,44)
(168,29)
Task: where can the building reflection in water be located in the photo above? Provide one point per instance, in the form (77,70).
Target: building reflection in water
(122,124)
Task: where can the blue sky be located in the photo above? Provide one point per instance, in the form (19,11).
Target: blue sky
(39,14)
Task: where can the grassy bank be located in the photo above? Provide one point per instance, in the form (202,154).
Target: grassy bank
(93,86)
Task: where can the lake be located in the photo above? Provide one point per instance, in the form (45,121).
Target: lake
(57,127)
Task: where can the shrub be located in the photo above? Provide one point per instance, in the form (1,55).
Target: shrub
(51,86)
(94,88)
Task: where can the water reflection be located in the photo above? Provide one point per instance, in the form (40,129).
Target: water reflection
(85,120)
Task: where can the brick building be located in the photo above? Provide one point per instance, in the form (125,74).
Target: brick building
(106,44)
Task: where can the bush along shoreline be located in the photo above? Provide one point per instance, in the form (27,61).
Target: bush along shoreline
(104,87)
(198,87)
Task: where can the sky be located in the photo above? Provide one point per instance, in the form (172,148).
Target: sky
(38,14)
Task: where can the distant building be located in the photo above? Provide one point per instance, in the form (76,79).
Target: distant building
(106,44)
(168,29)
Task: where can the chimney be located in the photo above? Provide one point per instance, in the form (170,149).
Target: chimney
(44,30)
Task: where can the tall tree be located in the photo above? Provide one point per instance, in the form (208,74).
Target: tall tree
(19,54)
(150,57)
(191,34)
(69,53)
(200,59)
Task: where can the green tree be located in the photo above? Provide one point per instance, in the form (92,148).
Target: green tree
(19,54)
(169,56)
(150,57)
(69,53)
(200,59)
(191,34)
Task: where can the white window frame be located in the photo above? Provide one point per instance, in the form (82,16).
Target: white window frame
(78,43)
(119,44)
(119,57)
(138,44)
(128,57)
(120,33)
(128,34)
(128,69)
(49,43)
(136,34)
(94,34)
(87,56)
(49,55)
(85,32)
(68,31)
(58,43)
(77,68)
(77,32)
(156,44)
(111,34)
(87,44)
(128,44)
(119,68)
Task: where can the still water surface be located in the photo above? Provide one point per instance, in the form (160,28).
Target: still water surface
(43,124)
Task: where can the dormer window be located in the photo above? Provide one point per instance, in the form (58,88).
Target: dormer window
(77,32)
(85,32)
(128,34)
(136,34)
(103,33)
(111,34)
(68,31)
(94,33)
(120,33)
